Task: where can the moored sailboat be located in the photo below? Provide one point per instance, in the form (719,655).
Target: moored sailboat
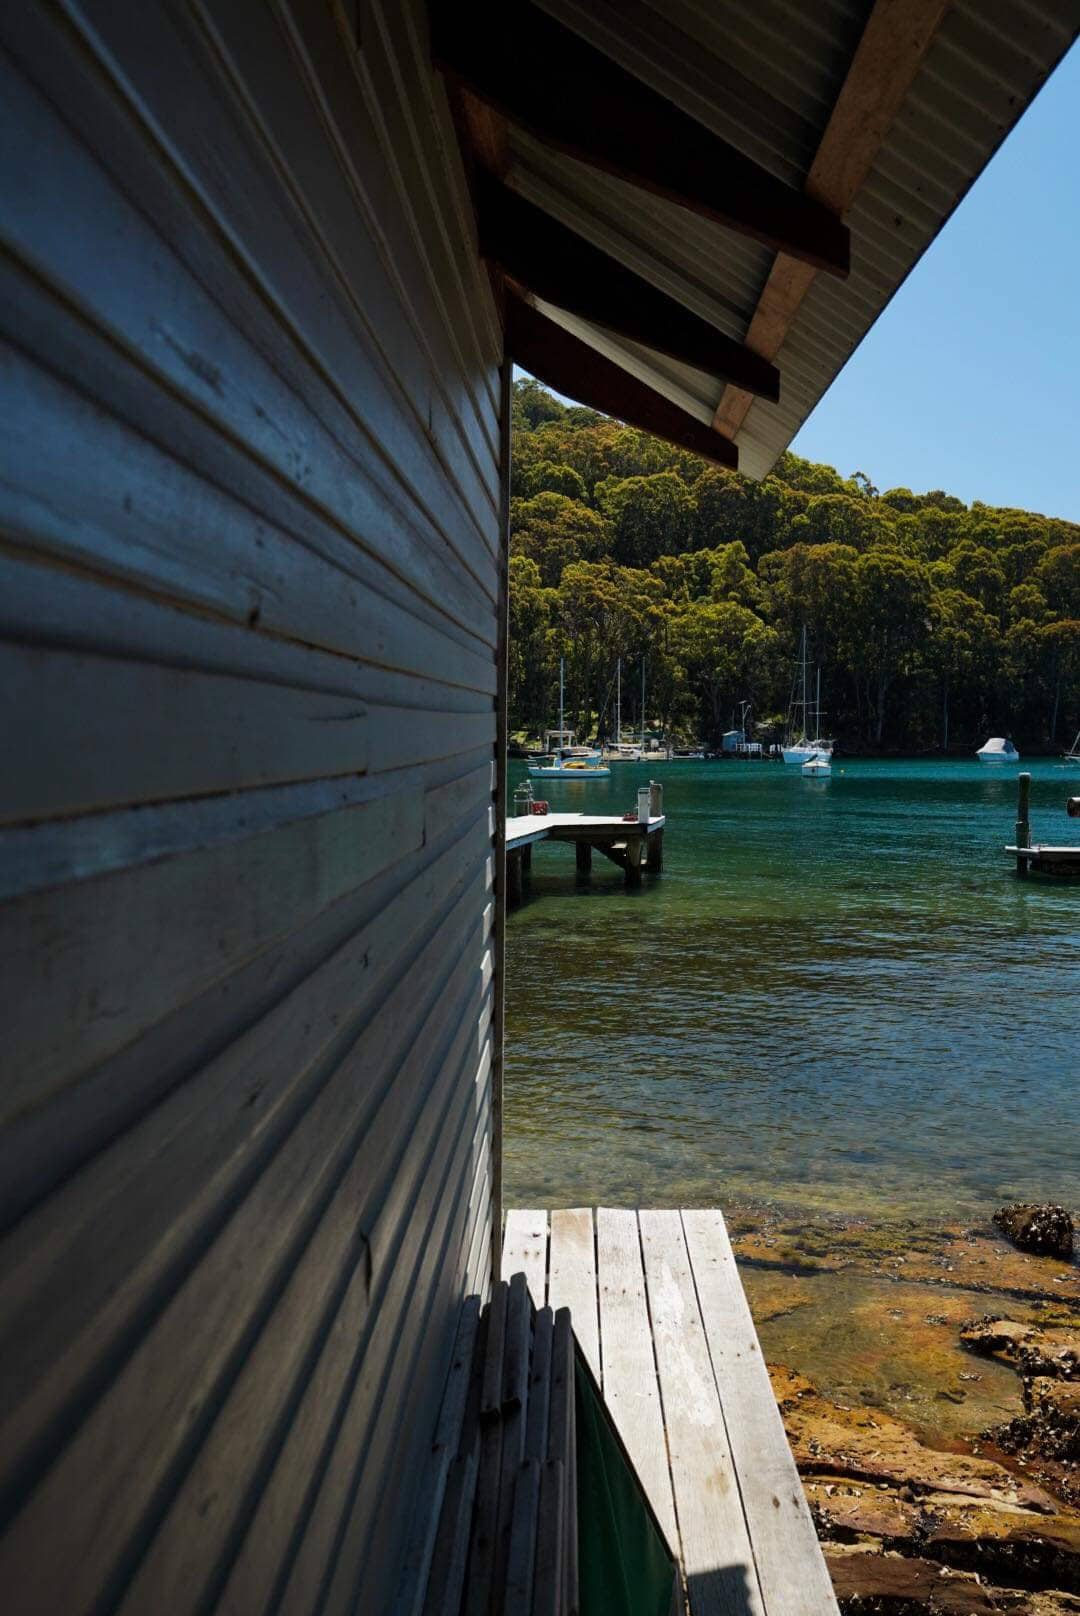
(798,748)
(567,761)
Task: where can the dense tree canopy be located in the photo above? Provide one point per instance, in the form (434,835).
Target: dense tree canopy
(934,623)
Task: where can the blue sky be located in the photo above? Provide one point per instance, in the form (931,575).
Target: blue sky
(970,380)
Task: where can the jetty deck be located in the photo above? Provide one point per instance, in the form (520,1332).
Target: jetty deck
(632,844)
(659,1312)
(524,829)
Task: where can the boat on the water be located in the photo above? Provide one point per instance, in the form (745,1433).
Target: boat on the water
(1073,754)
(620,751)
(805,717)
(679,754)
(998,749)
(567,761)
(818,766)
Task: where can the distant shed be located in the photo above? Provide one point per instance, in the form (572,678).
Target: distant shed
(252,604)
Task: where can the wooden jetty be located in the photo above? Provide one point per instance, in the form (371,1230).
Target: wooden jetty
(1060,861)
(633,844)
(660,1314)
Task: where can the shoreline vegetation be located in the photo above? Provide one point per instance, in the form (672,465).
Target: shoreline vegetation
(934,623)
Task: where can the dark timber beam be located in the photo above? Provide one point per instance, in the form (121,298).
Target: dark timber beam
(546,78)
(887,60)
(563,268)
(555,356)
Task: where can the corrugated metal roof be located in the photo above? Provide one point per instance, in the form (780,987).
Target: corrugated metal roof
(764,75)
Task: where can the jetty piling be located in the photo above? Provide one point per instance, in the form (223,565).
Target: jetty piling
(634,843)
(1023,822)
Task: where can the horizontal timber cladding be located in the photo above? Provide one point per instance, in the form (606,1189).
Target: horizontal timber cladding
(251,575)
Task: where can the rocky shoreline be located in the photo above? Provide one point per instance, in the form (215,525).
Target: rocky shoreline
(919,1517)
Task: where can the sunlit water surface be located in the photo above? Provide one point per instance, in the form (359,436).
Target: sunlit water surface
(837,993)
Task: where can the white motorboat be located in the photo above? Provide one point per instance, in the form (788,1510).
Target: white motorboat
(998,749)
(818,766)
(1073,754)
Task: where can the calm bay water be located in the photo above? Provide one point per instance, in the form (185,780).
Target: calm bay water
(837,995)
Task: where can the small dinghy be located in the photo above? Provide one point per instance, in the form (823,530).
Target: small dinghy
(817,766)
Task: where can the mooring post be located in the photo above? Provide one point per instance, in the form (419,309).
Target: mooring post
(633,860)
(654,863)
(513,878)
(526,859)
(1023,824)
(583,855)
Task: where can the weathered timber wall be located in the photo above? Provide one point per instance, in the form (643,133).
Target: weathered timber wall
(250,581)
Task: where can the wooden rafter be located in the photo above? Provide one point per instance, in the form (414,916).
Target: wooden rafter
(543,76)
(563,268)
(889,54)
(555,356)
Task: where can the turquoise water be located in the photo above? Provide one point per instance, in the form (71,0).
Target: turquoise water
(837,995)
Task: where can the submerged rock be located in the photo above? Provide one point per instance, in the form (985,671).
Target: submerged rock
(1046,1230)
(913,1530)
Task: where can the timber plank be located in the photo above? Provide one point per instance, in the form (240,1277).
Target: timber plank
(572,1277)
(190,1157)
(463,358)
(382,1428)
(223,539)
(315,1451)
(794,1577)
(525,1250)
(42,1148)
(224,1480)
(630,1386)
(214,353)
(89,732)
(337,291)
(717,1553)
(348,1127)
(77,957)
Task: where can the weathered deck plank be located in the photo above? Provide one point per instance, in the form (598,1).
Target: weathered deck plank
(525,1251)
(717,1555)
(793,1575)
(657,1295)
(572,1277)
(626,1352)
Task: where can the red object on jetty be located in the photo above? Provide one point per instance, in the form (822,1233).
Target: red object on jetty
(631,815)
(538,807)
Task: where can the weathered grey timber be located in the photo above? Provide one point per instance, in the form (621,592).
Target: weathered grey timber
(657,1297)
(633,844)
(250,607)
(1061,862)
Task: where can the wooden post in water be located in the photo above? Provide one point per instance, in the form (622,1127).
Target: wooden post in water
(654,863)
(513,878)
(634,848)
(583,854)
(1023,824)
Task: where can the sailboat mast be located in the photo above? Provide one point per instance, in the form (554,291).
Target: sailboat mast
(817,708)
(802,649)
(618,702)
(643,704)
(562,730)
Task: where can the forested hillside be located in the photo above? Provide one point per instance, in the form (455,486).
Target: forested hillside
(934,623)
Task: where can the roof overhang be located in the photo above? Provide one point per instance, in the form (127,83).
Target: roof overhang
(694,210)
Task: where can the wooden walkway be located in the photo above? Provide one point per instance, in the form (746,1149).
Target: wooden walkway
(659,1311)
(523,829)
